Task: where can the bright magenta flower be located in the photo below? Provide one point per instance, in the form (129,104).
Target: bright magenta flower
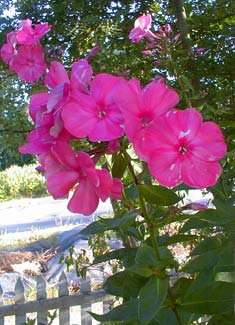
(142,28)
(27,35)
(183,148)
(64,169)
(29,63)
(63,89)
(49,127)
(95,115)
(141,107)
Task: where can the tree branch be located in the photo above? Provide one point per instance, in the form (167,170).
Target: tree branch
(180,12)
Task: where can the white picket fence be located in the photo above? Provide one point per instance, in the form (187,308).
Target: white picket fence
(86,298)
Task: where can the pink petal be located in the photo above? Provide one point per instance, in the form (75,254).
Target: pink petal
(58,96)
(87,167)
(56,75)
(64,154)
(117,189)
(60,183)
(101,85)
(39,141)
(209,142)
(84,199)
(165,166)
(79,119)
(158,98)
(7,53)
(36,104)
(81,75)
(106,129)
(158,136)
(184,123)
(198,173)
(104,189)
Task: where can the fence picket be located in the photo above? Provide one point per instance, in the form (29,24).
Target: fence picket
(85,289)
(1,303)
(20,298)
(64,314)
(41,294)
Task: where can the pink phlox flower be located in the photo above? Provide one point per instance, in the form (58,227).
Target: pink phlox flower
(38,109)
(29,62)
(141,107)
(165,31)
(141,28)
(64,89)
(40,140)
(64,170)
(8,50)
(49,127)
(27,35)
(185,149)
(96,115)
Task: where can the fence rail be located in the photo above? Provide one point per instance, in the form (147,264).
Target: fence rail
(63,302)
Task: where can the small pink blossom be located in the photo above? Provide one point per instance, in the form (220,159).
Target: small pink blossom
(93,52)
(8,50)
(141,107)
(165,31)
(64,170)
(29,63)
(113,146)
(185,149)
(27,35)
(95,115)
(142,28)
(197,206)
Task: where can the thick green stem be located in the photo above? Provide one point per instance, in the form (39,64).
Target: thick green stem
(152,229)
(143,209)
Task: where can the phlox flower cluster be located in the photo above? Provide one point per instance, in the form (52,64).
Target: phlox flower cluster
(158,43)
(175,143)
(23,51)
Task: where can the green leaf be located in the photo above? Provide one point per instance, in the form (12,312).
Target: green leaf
(151,297)
(214,299)
(124,284)
(119,165)
(145,256)
(141,269)
(181,238)
(225,277)
(105,224)
(118,254)
(202,262)
(166,316)
(125,312)
(157,194)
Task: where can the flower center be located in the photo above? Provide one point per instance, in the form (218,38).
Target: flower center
(145,120)
(183,150)
(101,113)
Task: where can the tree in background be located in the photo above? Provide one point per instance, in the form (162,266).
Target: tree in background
(78,26)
